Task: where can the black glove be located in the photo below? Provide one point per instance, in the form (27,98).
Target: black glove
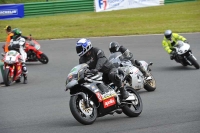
(87,71)
(172,55)
(94,71)
(122,49)
(173,43)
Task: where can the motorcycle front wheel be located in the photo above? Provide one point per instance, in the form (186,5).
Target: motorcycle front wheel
(133,108)
(193,61)
(43,59)
(7,78)
(82,114)
(150,84)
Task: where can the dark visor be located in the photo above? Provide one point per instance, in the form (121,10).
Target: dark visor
(79,49)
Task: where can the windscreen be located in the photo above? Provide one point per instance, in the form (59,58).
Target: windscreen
(179,44)
(116,58)
(74,72)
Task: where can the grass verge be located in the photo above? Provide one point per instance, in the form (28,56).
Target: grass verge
(181,17)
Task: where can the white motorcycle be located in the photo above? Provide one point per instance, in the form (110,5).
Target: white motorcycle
(184,54)
(135,79)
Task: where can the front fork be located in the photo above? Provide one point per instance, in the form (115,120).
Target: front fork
(85,98)
(190,54)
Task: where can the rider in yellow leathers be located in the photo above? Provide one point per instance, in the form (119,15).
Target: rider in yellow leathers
(169,41)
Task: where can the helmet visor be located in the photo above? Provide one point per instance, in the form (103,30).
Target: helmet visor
(168,36)
(79,50)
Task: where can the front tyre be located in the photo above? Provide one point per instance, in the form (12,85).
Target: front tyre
(43,59)
(150,84)
(134,107)
(82,114)
(193,61)
(7,78)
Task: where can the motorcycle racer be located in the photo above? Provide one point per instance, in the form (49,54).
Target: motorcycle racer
(17,43)
(115,47)
(169,41)
(97,61)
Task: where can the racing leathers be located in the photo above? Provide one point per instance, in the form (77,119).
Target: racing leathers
(97,60)
(128,55)
(18,45)
(169,44)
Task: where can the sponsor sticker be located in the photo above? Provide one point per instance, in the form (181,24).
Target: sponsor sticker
(109,94)
(109,102)
(98,94)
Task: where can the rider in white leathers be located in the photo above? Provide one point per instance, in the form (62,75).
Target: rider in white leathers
(18,43)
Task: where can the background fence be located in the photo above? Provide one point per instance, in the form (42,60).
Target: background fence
(175,1)
(50,7)
(47,8)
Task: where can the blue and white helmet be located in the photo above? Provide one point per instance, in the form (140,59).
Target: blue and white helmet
(83,46)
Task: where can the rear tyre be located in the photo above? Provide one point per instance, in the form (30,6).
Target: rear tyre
(7,79)
(193,61)
(43,59)
(82,114)
(150,85)
(134,108)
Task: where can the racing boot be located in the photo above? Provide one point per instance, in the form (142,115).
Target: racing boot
(25,79)
(24,69)
(124,93)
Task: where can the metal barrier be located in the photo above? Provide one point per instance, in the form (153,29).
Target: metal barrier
(175,1)
(50,8)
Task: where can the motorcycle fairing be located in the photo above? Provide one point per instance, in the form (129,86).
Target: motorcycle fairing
(182,48)
(33,49)
(107,101)
(136,78)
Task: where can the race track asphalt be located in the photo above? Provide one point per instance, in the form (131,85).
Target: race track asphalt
(42,105)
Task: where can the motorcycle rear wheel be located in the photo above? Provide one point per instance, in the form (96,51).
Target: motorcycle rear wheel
(193,61)
(79,111)
(133,108)
(43,59)
(7,78)
(150,85)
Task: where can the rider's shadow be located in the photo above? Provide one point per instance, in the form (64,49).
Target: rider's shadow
(176,68)
(142,91)
(33,63)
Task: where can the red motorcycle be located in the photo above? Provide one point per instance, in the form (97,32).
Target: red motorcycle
(12,67)
(32,48)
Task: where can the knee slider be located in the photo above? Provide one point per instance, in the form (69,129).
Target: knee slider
(24,68)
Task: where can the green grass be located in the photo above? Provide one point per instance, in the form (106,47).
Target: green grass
(181,17)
